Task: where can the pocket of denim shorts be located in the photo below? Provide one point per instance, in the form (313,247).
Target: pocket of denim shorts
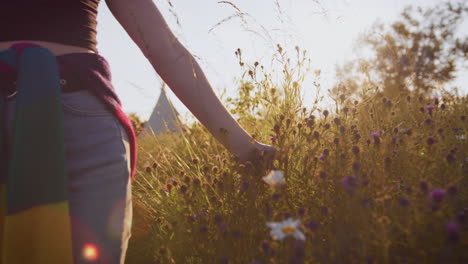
(84,103)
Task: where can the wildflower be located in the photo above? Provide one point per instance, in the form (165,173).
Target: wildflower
(275,197)
(430,141)
(325,113)
(244,186)
(148,169)
(357,136)
(316,135)
(282,117)
(299,126)
(265,246)
(461,217)
(342,129)
(336,141)
(437,195)
(442,106)
(430,107)
(310,122)
(376,134)
(218,219)
(322,174)
(349,183)
(224,260)
(450,158)
(183,188)
(388,161)
(274,178)
(289,227)
(326,152)
(322,157)
(273,139)
(327,126)
(395,151)
(345,110)
(337,121)
(324,210)
(394,139)
(355,150)
(404,202)
(453,231)
(424,186)
(356,166)
(276,128)
(301,211)
(452,190)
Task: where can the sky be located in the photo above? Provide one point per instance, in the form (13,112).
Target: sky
(326,29)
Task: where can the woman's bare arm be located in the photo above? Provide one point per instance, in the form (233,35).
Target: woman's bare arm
(146,26)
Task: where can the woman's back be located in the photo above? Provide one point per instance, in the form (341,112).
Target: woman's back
(63,26)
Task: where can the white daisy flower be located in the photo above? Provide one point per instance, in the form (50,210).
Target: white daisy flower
(274,178)
(289,227)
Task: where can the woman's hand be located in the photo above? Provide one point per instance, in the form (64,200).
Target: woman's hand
(258,153)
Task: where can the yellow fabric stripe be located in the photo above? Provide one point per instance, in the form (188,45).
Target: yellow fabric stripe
(40,235)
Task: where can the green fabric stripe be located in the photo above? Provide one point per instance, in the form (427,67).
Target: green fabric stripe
(38,139)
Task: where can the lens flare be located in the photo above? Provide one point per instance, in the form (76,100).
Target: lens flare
(90,252)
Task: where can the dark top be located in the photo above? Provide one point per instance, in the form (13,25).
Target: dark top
(68,22)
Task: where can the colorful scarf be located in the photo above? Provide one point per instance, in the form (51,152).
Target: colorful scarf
(34,209)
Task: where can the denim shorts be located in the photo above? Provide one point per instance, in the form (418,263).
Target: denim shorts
(97,158)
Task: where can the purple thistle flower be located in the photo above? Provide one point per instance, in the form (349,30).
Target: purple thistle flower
(312,225)
(265,246)
(224,260)
(450,158)
(404,202)
(322,174)
(424,186)
(376,140)
(316,135)
(395,151)
(327,126)
(394,139)
(356,166)
(376,134)
(430,141)
(336,141)
(273,139)
(322,157)
(461,217)
(452,189)
(430,107)
(326,152)
(453,231)
(337,121)
(437,195)
(349,183)
(355,150)
(324,210)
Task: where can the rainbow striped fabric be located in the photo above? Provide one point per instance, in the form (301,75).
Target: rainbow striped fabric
(34,209)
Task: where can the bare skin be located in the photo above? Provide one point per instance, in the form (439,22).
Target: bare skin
(56,48)
(146,26)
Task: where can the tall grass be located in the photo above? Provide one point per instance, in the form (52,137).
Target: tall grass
(372,180)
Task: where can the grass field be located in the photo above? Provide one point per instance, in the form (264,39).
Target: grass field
(370,180)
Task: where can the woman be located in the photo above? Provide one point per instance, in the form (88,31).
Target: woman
(97,138)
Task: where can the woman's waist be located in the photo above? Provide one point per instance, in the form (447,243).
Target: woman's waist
(55,48)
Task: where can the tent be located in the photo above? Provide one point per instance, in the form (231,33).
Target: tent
(165,117)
